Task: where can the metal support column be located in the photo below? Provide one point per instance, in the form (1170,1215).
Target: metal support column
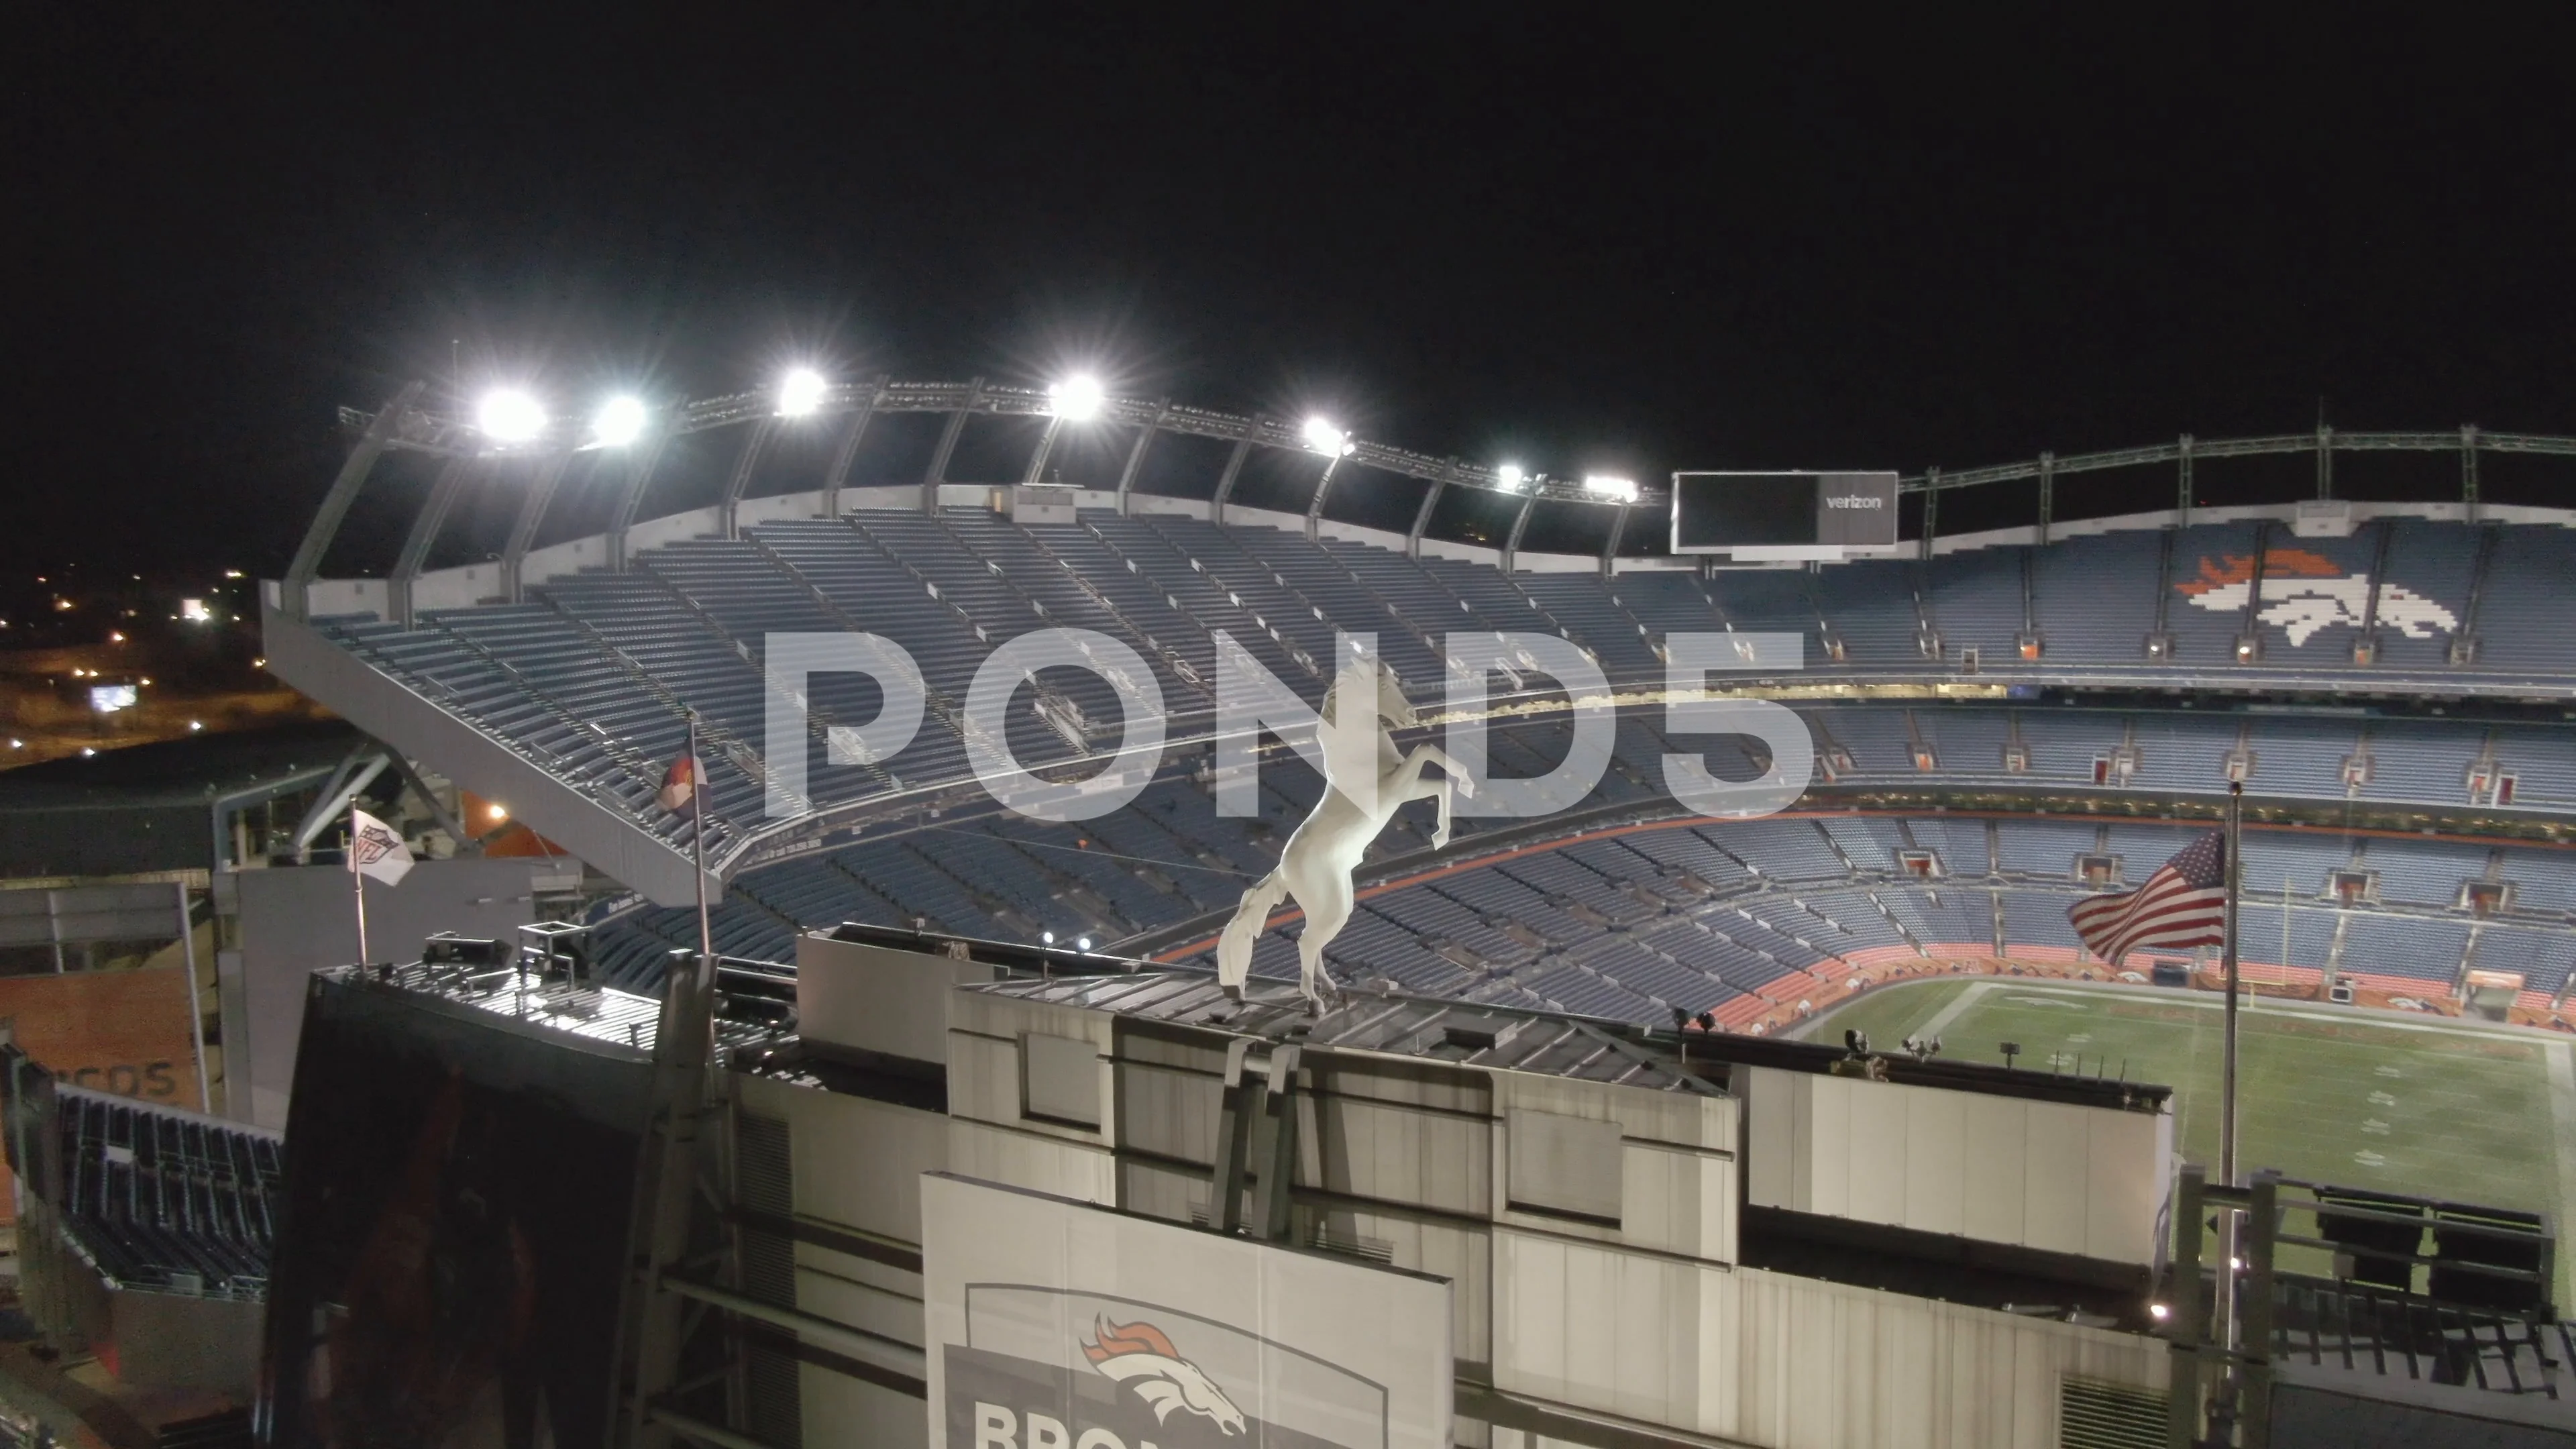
(739,480)
(2185,1324)
(845,453)
(2325,462)
(1931,508)
(335,504)
(2182,482)
(1315,505)
(532,512)
(2469,472)
(1610,550)
(1273,1192)
(1046,445)
(1233,467)
(2047,493)
(424,532)
(1520,521)
(1136,454)
(1422,515)
(639,475)
(1237,1109)
(658,1240)
(938,471)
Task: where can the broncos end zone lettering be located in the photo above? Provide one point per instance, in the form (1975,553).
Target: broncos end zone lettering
(1058,1325)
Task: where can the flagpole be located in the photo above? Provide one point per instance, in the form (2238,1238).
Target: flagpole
(2227,965)
(357,882)
(698,851)
(2231,1233)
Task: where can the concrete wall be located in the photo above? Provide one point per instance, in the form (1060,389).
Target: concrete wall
(2059,1178)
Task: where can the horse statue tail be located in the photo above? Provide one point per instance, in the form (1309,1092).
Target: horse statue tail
(1234,946)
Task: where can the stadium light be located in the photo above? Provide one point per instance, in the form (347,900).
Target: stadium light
(1077,399)
(507,415)
(1324,438)
(1510,477)
(800,392)
(1623,489)
(620,422)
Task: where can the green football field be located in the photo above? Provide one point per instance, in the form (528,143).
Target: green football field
(2432,1107)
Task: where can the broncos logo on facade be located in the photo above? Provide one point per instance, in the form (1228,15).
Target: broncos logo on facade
(1140,1356)
(2304,592)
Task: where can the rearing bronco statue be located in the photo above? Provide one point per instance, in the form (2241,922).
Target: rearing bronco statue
(1315,868)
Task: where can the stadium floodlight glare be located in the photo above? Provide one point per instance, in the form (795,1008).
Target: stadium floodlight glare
(1510,477)
(1623,489)
(620,422)
(1324,438)
(800,392)
(1077,399)
(507,415)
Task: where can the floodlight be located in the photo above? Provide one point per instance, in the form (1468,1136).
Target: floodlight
(1078,398)
(1324,438)
(1047,937)
(195,611)
(1084,944)
(507,415)
(1510,477)
(1623,489)
(800,392)
(620,422)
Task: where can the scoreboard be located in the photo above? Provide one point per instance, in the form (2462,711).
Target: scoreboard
(1761,517)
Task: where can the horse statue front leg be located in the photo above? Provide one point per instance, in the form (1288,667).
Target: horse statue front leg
(1452,783)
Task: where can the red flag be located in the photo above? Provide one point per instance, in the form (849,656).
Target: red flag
(680,783)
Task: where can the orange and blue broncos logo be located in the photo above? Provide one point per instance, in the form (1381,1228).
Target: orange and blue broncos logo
(1140,1356)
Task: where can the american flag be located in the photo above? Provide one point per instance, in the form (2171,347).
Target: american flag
(2183,904)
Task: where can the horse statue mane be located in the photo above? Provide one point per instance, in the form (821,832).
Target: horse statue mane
(1363,788)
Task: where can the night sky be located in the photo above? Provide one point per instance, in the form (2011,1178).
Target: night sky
(1581,237)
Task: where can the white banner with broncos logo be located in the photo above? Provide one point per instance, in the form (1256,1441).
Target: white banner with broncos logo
(1058,1325)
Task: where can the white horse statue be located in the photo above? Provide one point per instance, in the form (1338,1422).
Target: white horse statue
(1315,868)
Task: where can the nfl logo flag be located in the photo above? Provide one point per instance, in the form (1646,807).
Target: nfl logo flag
(376,850)
(2183,904)
(680,783)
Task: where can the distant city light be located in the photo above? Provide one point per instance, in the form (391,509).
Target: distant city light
(800,392)
(507,415)
(228,573)
(60,604)
(196,724)
(1078,398)
(17,744)
(620,422)
(259,664)
(195,611)
(86,752)
(1624,489)
(1324,438)
(1511,477)
(109,698)
(115,637)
